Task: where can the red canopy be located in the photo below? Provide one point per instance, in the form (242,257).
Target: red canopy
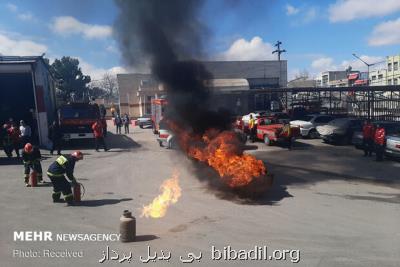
(353,76)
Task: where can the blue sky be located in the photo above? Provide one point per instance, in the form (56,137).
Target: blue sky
(318,35)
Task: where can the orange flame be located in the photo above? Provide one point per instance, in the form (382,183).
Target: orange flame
(222,151)
(170,193)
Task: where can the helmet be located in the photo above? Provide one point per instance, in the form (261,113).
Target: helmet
(28,148)
(77,155)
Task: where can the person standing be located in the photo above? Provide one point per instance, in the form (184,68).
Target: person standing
(15,134)
(97,128)
(118,123)
(252,128)
(7,143)
(31,158)
(379,139)
(126,121)
(368,138)
(287,133)
(26,133)
(64,165)
(55,136)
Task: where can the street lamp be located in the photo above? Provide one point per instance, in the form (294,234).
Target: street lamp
(367,64)
(369,92)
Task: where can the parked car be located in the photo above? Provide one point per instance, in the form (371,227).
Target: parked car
(144,121)
(339,130)
(393,144)
(308,124)
(272,133)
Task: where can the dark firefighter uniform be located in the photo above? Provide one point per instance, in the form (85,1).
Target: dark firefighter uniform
(64,165)
(31,159)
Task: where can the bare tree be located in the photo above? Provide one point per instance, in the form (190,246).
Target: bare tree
(109,84)
(303,74)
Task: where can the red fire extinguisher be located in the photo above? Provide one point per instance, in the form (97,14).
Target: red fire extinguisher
(33,179)
(78,191)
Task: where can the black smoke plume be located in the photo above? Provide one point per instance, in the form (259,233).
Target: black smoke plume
(168,36)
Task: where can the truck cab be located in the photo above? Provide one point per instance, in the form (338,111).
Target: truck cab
(76,120)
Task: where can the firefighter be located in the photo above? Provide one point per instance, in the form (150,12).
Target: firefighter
(97,128)
(379,139)
(7,143)
(252,128)
(64,165)
(31,158)
(14,134)
(55,135)
(368,138)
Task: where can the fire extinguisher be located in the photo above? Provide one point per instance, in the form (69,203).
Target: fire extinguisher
(78,191)
(33,179)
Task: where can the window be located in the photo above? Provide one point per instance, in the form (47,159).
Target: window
(380,76)
(390,67)
(394,81)
(390,81)
(374,77)
(395,65)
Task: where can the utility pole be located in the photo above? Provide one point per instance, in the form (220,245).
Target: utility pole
(278,50)
(369,91)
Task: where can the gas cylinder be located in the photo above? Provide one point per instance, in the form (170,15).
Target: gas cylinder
(127,227)
(77,192)
(33,179)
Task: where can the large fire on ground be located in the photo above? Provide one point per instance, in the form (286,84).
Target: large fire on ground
(170,193)
(222,151)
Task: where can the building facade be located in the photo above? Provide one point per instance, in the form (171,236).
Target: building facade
(393,71)
(137,90)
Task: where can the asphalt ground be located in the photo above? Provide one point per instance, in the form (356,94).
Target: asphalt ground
(328,206)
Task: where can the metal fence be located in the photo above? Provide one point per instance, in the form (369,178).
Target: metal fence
(374,102)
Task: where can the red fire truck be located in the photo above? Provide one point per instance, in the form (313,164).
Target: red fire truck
(76,120)
(157,112)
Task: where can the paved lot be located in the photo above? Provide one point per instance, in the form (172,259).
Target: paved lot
(330,203)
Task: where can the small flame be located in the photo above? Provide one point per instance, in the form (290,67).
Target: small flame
(170,193)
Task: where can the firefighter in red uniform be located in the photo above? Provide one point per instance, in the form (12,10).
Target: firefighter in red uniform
(98,130)
(368,137)
(31,158)
(64,165)
(379,139)
(14,134)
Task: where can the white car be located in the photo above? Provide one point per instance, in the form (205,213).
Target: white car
(308,124)
(144,121)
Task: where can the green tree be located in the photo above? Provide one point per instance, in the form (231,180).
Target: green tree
(71,80)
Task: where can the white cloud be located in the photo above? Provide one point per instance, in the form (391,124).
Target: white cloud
(112,49)
(12,7)
(11,46)
(323,64)
(26,16)
(67,25)
(255,49)
(386,33)
(97,73)
(310,15)
(291,10)
(347,10)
